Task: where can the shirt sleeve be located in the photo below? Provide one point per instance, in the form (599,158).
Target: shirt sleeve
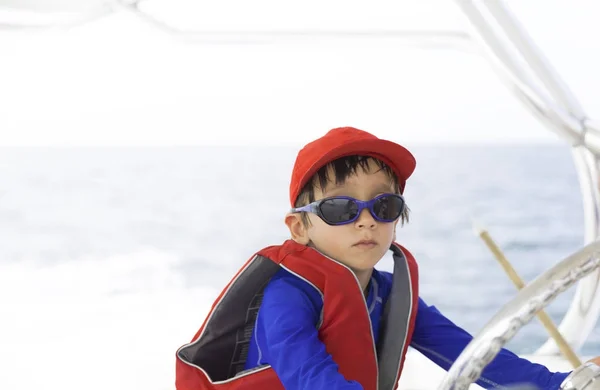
(287,338)
(442,342)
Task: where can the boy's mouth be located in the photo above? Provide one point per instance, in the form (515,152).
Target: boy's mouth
(366,243)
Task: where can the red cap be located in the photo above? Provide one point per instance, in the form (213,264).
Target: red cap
(347,141)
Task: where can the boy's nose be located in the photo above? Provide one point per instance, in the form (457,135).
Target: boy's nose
(365,220)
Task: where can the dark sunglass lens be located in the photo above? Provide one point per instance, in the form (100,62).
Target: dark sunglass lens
(338,210)
(388,207)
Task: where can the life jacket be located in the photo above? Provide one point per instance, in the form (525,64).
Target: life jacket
(215,358)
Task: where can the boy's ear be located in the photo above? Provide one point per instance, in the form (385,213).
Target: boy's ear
(298,231)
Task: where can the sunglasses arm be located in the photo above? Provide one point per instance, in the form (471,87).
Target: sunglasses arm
(309,208)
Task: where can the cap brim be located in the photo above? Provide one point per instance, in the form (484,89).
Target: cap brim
(398,158)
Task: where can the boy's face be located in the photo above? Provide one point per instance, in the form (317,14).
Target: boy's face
(342,243)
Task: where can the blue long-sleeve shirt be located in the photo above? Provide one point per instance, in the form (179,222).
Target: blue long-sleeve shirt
(286,337)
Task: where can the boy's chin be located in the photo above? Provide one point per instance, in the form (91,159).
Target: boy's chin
(357,265)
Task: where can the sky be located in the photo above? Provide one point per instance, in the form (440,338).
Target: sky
(119,80)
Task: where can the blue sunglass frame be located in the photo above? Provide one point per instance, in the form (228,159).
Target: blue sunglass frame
(315,208)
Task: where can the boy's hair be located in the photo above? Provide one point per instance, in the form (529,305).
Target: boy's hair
(343,168)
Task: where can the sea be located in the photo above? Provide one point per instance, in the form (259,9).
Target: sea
(111,257)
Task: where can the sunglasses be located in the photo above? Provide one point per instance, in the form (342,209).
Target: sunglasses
(341,210)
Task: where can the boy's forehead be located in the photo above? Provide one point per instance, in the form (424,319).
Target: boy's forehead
(373,186)
(373,179)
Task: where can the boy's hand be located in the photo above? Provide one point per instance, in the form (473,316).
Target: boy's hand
(595,360)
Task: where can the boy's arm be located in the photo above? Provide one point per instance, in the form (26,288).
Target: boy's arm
(287,338)
(442,342)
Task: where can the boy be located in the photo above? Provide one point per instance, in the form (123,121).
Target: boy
(314,313)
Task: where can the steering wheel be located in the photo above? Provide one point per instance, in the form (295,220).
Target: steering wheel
(516,313)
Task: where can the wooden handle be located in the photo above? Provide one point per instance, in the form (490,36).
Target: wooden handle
(564,347)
